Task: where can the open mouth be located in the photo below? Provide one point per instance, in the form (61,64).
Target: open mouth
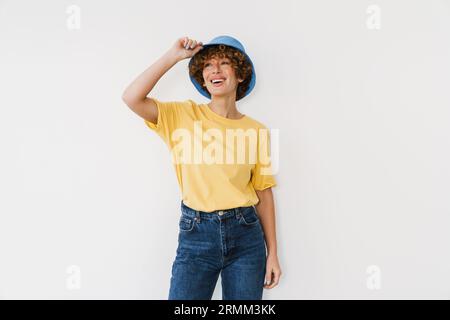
(218,82)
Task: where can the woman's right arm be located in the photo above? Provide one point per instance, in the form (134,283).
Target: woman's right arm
(135,95)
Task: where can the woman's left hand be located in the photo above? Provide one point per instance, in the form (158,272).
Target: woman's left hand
(273,272)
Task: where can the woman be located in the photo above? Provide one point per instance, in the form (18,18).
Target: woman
(227,207)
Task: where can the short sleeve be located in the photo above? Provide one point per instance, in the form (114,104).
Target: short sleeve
(262,175)
(169,118)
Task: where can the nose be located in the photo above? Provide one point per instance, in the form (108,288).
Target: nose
(216,67)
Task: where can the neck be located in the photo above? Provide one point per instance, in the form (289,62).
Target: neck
(225,107)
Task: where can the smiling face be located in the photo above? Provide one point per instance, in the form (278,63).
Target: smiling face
(219,77)
(225,62)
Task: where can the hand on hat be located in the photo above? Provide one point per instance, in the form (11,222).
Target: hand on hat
(186,47)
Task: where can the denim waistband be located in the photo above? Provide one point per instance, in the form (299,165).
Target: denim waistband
(225,213)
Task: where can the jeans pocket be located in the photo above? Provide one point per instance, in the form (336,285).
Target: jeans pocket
(186,223)
(249,217)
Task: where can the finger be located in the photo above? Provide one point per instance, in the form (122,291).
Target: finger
(194,43)
(185,40)
(199,47)
(275,280)
(270,285)
(277,277)
(188,44)
(268,278)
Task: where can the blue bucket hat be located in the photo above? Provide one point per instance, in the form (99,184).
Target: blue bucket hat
(231,42)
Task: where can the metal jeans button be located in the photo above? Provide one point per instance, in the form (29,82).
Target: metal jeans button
(220,212)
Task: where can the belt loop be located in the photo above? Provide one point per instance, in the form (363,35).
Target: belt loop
(237,212)
(197,215)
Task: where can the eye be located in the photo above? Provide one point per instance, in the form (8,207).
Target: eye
(226,62)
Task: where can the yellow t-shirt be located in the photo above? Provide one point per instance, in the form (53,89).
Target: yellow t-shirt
(219,162)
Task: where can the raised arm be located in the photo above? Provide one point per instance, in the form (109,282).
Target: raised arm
(135,95)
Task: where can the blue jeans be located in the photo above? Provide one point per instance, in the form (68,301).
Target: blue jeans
(230,242)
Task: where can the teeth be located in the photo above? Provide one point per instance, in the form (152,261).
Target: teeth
(216,80)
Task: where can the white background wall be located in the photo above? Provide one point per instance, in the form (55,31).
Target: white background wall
(363,116)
